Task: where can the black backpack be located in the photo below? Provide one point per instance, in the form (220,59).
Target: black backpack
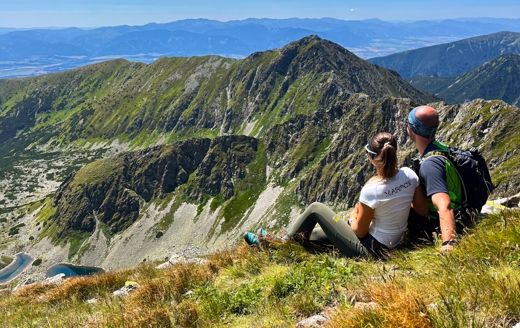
(473,173)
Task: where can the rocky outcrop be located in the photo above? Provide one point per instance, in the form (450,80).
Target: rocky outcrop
(320,155)
(326,148)
(111,190)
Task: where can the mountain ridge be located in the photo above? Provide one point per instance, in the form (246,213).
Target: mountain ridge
(495,79)
(198,93)
(452,58)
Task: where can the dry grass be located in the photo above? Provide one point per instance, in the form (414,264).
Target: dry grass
(186,314)
(477,285)
(84,288)
(396,307)
(139,318)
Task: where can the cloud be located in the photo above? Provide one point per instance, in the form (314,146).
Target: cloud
(352,10)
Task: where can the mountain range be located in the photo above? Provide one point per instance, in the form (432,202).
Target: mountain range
(496,79)
(37,51)
(481,67)
(193,151)
(453,58)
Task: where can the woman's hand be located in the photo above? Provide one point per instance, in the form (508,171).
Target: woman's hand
(361,224)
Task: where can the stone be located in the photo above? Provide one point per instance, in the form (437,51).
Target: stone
(55,280)
(317,320)
(513,201)
(92,301)
(176,258)
(124,291)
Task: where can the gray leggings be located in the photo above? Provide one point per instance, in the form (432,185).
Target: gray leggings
(337,231)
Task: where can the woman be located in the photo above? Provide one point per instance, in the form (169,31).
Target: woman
(381,214)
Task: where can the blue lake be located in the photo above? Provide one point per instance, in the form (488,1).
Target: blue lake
(70,270)
(21,261)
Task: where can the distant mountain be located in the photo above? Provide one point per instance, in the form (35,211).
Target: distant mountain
(34,52)
(496,79)
(178,96)
(453,58)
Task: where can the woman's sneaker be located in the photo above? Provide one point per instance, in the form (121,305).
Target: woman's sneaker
(262,232)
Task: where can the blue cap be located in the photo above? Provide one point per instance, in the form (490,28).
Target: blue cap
(419,127)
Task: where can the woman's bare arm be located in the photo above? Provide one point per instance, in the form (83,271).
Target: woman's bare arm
(361,223)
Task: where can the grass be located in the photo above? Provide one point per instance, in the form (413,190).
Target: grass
(96,172)
(5,261)
(476,285)
(248,190)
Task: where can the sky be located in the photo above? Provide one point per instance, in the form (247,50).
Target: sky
(93,13)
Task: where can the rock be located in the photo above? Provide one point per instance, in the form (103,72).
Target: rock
(164,265)
(370,306)
(126,289)
(176,258)
(517,325)
(92,301)
(513,201)
(491,209)
(317,320)
(127,179)
(494,206)
(55,280)
(24,283)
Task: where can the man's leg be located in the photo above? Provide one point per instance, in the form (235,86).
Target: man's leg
(338,231)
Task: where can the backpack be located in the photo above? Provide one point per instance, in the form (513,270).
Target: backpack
(473,173)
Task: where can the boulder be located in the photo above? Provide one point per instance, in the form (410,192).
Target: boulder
(124,291)
(55,280)
(176,258)
(317,320)
(513,201)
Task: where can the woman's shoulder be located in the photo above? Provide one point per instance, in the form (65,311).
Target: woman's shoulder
(373,181)
(408,172)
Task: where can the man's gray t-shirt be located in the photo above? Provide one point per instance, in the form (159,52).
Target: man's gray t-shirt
(432,175)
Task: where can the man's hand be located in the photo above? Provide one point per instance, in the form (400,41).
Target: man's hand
(446,248)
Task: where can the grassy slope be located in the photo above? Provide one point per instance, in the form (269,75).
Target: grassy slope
(478,285)
(184,97)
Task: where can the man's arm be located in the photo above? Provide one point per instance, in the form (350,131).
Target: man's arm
(446,218)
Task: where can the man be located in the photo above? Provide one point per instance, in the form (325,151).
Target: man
(440,181)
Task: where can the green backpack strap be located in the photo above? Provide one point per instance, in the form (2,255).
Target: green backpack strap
(453,179)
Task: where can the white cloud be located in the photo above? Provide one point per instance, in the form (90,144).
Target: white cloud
(352,10)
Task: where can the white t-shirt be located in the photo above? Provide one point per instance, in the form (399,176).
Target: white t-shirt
(391,200)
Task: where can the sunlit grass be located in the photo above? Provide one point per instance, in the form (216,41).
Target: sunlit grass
(476,285)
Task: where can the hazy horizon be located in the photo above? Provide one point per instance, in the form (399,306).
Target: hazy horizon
(259,18)
(97,13)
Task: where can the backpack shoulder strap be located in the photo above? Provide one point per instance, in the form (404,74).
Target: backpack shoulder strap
(434,153)
(456,187)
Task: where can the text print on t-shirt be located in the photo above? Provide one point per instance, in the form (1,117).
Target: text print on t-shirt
(397,189)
